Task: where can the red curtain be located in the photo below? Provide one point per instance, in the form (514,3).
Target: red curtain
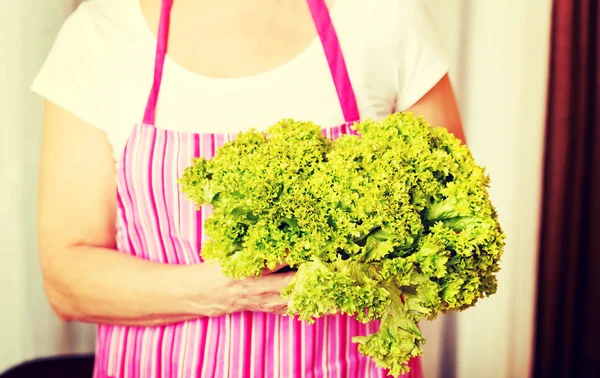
(567,342)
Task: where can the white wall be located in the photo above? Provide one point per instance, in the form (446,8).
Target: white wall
(498,52)
(27,327)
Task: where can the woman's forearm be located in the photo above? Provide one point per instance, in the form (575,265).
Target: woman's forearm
(99,285)
(85,278)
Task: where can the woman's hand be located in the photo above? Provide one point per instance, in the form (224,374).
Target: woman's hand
(259,294)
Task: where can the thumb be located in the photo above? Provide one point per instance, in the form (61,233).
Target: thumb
(278,281)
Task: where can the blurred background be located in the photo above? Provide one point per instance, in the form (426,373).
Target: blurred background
(527,76)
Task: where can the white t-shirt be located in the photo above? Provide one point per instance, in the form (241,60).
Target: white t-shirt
(101,68)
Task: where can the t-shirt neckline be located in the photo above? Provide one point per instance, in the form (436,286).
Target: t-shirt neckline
(313,50)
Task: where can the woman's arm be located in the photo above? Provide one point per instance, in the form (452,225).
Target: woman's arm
(85,278)
(440,108)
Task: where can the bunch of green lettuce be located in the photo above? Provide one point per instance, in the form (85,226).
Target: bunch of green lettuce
(394,223)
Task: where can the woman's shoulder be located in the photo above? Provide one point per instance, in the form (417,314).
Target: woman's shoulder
(391,16)
(400,49)
(98,36)
(382,10)
(97,47)
(114,22)
(389,25)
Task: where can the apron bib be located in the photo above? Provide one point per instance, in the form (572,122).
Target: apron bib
(156,222)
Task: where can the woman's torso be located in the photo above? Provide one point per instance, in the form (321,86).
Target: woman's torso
(196,114)
(156,222)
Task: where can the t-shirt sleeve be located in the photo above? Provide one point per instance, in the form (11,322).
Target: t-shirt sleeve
(422,60)
(69,75)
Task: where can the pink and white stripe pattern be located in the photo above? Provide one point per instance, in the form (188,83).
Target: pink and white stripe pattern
(157,223)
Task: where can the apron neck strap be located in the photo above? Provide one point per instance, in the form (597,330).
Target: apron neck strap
(335,59)
(329,40)
(159,60)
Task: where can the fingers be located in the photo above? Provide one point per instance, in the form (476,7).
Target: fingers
(275,282)
(267,302)
(282,310)
(264,293)
(273,305)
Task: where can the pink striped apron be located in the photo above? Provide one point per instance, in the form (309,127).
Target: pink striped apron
(156,222)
